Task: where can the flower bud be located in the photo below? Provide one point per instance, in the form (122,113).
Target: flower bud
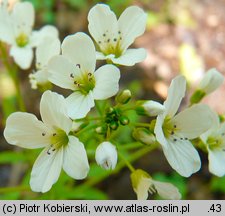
(211,81)
(124,120)
(123,97)
(149,108)
(106,155)
(144,135)
(101,129)
(114,125)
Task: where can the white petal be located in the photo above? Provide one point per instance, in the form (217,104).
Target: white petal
(46,170)
(38,78)
(22,56)
(60,70)
(214,128)
(75,162)
(102,21)
(182,157)
(79,105)
(46,50)
(25,130)
(80,49)
(6,26)
(106,82)
(160,137)
(106,155)
(211,81)
(175,94)
(54,111)
(131,57)
(132,23)
(194,121)
(143,188)
(23,17)
(100,56)
(167,190)
(217,162)
(153,108)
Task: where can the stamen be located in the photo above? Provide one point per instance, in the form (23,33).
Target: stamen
(186,138)
(108,40)
(71,75)
(99,42)
(54,134)
(104,35)
(172,132)
(115,39)
(89,74)
(175,126)
(43,134)
(78,65)
(174,140)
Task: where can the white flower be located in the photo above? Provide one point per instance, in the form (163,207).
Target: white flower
(16,30)
(211,81)
(75,70)
(48,48)
(106,155)
(214,139)
(115,36)
(174,131)
(60,149)
(143,184)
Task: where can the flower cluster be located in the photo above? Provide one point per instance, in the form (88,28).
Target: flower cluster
(72,65)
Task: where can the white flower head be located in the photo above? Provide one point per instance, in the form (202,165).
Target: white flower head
(106,155)
(115,36)
(75,70)
(211,81)
(48,48)
(174,131)
(60,149)
(143,184)
(16,30)
(214,139)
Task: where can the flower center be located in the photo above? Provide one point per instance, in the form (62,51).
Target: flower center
(22,40)
(85,83)
(216,142)
(111,44)
(168,127)
(58,139)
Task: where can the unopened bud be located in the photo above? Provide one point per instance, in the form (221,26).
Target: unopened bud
(149,108)
(124,120)
(101,129)
(123,97)
(144,135)
(109,110)
(106,155)
(113,125)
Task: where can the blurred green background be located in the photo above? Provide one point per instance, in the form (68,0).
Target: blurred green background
(182,36)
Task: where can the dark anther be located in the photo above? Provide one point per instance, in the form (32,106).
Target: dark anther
(104,35)
(174,126)
(108,40)
(43,134)
(181,138)
(115,39)
(71,75)
(172,132)
(174,140)
(119,32)
(89,74)
(99,42)
(48,152)
(90,79)
(54,134)
(75,82)
(78,65)
(186,138)
(53,150)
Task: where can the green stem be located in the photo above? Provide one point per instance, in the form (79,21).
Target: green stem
(129,165)
(98,108)
(141,124)
(13,72)
(85,129)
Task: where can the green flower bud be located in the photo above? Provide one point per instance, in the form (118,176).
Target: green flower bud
(197,96)
(114,125)
(124,120)
(123,97)
(144,135)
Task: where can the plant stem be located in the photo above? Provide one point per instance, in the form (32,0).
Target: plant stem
(13,72)
(129,165)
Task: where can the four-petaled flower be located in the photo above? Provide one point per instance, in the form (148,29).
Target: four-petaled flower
(16,30)
(75,70)
(214,139)
(60,149)
(143,184)
(174,131)
(115,36)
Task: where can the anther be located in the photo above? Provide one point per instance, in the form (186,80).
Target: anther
(186,138)
(175,126)
(71,75)
(89,74)
(75,82)
(104,35)
(174,140)
(115,39)
(78,65)
(119,32)
(43,134)
(172,132)
(99,42)
(54,134)
(108,40)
